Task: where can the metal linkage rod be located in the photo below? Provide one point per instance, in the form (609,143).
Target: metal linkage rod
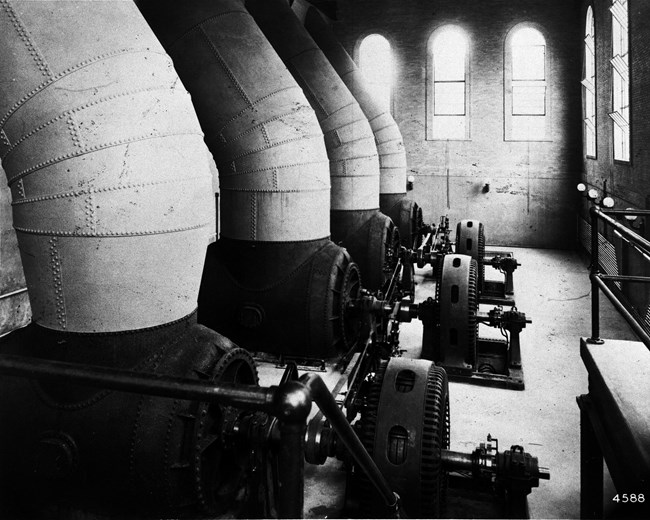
(325,401)
(241,396)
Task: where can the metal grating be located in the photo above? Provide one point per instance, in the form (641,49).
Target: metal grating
(607,252)
(609,264)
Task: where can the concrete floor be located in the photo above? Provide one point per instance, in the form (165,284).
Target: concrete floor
(552,287)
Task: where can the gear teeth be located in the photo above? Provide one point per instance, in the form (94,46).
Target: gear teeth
(368,421)
(435,436)
(472,323)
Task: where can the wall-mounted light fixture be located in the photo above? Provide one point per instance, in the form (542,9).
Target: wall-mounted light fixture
(592,195)
(409,182)
(635,222)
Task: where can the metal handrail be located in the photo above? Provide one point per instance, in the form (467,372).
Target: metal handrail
(598,279)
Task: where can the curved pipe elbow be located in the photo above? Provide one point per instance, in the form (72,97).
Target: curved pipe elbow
(266,141)
(390,146)
(350,142)
(96,157)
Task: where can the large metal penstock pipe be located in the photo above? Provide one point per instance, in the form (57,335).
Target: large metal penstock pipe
(112,199)
(273,281)
(392,155)
(106,167)
(350,142)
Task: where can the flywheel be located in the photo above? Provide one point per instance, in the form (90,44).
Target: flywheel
(456,331)
(404,425)
(470,240)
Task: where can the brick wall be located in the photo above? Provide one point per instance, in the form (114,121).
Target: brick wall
(627,183)
(532,198)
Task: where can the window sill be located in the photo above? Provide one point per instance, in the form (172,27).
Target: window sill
(539,140)
(440,139)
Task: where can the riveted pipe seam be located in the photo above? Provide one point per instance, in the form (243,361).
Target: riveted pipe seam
(80,81)
(101,190)
(67,72)
(257,102)
(55,160)
(70,112)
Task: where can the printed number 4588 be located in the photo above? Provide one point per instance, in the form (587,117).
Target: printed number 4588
(631,498)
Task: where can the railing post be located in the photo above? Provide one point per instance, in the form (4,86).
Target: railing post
(595,269)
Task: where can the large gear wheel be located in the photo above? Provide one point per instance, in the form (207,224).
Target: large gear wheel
(404,425)
(391,251)
(456,332)
(470,240)
(349,320)
(219,470)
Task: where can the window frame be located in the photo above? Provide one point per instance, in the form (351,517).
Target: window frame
(509,83)
(393,74)
(589,86)
(616,115)
(432,118)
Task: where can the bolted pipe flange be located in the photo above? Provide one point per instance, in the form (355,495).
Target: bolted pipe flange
(55,455)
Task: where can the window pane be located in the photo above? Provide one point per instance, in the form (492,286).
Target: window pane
(449,54)
(529,100)
(620,73)
(449,99)
(528,128)
(449,127)
(590,142)
(528,62)
(527,36)
(589,88)
(376,64)
(621,144)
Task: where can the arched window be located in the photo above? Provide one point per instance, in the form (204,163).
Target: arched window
(376,64)
(621,80)
(589,87)
(448,84)
(527,111)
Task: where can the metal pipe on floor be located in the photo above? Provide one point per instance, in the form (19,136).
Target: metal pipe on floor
(13,293)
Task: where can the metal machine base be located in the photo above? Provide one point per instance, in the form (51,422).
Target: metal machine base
(492,368)
(494,293)
(469,498)
(497,292)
